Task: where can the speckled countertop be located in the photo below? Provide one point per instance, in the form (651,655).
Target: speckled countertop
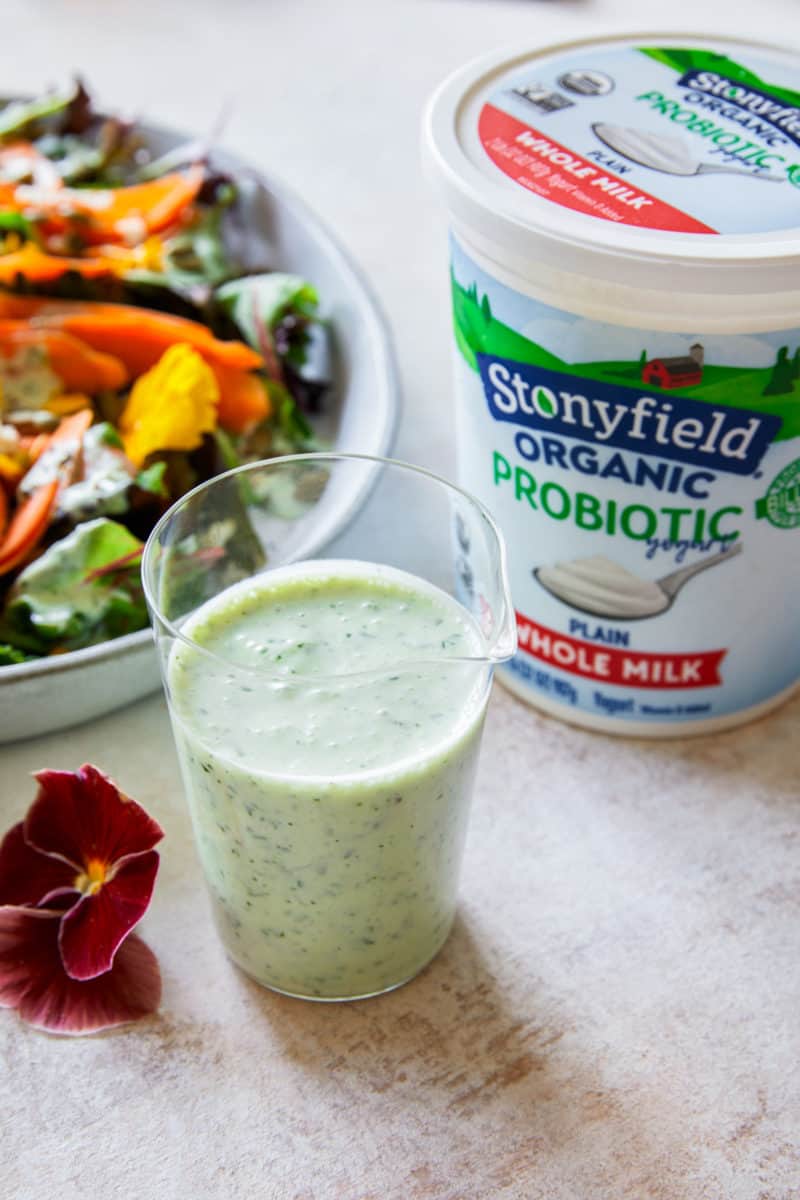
(617,1013)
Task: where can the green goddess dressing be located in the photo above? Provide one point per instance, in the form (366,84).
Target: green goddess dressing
(328,729)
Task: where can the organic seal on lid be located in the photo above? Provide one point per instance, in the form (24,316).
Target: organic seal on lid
(625,277)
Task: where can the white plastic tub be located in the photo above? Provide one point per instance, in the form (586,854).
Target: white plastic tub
(625,261)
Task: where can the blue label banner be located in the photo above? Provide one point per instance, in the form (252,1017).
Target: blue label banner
(658,423)
(764,106)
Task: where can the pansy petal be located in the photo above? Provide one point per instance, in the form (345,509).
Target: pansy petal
(27,938)
(82,816)
(93,929)
(26,875)
(33,980)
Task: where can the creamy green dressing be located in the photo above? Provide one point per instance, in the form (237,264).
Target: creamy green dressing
(328,739)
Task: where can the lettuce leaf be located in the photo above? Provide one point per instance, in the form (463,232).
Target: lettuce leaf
(11,656)
(195,259)
(84,589)
(263,300)
(18,115)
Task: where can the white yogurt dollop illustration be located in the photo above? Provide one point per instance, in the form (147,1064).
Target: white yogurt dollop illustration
(599,585)
(603,587)
(654,150)
(660,152)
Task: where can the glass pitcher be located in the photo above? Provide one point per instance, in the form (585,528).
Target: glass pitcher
(327,626)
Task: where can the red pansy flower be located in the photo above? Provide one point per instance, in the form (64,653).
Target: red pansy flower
(76,875)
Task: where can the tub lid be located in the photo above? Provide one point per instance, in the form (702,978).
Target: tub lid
(622,158)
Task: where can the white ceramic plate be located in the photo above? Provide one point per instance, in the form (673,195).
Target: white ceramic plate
(53,693)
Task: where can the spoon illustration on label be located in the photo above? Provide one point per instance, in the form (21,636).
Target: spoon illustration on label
(604,588)
(667,154)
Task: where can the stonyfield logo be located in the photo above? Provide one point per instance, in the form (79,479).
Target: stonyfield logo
(776,113)
(711,435)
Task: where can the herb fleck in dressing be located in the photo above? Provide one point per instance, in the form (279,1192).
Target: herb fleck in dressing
(328,745)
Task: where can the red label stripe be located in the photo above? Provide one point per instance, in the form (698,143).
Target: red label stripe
(627,668)
(536,162)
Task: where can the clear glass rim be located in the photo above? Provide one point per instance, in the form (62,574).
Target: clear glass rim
(500,648)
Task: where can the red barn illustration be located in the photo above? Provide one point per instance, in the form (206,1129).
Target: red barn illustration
(681,372)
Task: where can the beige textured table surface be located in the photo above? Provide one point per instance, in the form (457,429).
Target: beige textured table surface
(617,1014)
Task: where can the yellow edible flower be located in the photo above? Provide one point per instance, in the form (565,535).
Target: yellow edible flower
(67,402)
(151,253)
(171,406)
(10,467)
(147,256)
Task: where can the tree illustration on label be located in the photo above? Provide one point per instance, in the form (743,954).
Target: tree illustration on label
(784,373)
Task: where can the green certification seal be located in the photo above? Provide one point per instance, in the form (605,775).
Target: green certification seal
(781,505)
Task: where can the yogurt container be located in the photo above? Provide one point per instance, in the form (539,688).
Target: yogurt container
(625,277)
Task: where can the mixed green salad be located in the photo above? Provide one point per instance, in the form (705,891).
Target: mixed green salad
(144,348)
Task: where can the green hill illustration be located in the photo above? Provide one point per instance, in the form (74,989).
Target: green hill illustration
(773,389)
